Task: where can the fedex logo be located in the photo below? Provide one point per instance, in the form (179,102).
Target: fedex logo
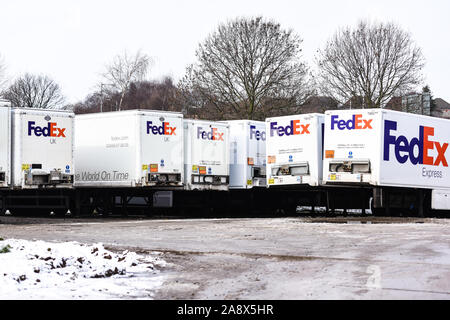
(404,148)
(211,135)
(164,129)
(293,128)
(256,134)
(51,130)
(355,123)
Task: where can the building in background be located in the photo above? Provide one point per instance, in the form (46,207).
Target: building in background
(413,102)
(418,103)
(421,103)
(440,108)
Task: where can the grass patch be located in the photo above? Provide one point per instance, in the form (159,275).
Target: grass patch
(6,249)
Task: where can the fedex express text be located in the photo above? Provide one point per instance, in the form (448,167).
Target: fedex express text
(417,149)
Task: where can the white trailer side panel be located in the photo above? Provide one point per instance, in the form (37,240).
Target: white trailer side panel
(106,150)
(206,154)
(5,144)
(42,148)
(247,154)
(294,150)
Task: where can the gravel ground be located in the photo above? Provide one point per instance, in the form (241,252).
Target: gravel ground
(272,258)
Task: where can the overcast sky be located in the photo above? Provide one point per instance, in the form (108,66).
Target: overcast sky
(72,40)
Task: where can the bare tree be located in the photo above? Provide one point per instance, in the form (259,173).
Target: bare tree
(371,64)
(125,69)
(244,64)
(146,94)
(34,91)
(3,79)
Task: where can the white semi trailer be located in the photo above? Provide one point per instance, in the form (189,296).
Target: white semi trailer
(247,154)
(42,148)
(36,158)
(294,150)
(5,144)
(136,148)
(403,156)
(206,155)
(128,159)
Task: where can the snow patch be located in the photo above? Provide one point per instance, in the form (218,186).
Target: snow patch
(45,270)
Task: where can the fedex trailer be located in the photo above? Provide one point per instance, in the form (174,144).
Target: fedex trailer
(5,144)
(294,150)
(36,160)
(42,148)
(206,155)
(135,148)
(128,160)
(294,163)
(403,156)
(247,154)
(36,148)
